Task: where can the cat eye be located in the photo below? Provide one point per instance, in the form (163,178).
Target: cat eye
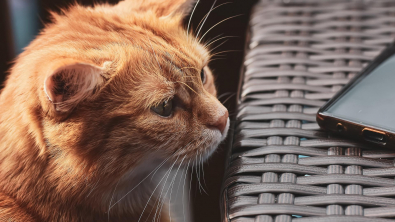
(164,109)
(203,76)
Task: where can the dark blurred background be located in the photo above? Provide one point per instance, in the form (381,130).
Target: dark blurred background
(21,20)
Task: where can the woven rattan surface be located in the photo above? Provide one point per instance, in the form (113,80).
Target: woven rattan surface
(282,167)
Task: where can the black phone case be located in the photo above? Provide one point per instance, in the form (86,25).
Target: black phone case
(369,133)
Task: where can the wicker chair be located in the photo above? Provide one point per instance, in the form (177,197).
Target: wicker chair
(281,166)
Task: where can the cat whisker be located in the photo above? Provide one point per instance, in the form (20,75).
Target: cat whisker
(204,181)
(198,174)
(190,184)
(182,150)
(158,167)
(223,94)
(201,163)
(190,17)
(140,182)
(233,94)
(197,35)
(219,57)
(225,52)
(160,203)
(112,196)
(171,185)
(157,202)
(93,188)
(187,86)
(216,25)
(209,43)
(198,177)
(178,187)
(206,15)
(179,152)
(167,142)
(216,59)
(218,45)
(212,39)
(171,189)
(153,192)
(183,190)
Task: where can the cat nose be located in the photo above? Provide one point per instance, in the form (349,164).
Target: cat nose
(221,122)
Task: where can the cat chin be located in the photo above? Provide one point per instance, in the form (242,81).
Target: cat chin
(221,137)
(146,167)
(155,159)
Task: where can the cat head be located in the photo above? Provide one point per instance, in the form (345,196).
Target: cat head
(119,83)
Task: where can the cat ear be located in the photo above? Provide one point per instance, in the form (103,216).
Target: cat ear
(183,7)
(71,82)
(162,8)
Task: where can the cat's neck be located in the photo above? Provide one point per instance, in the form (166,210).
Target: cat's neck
(40,182)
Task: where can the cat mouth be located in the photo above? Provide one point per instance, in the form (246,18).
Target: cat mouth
(204,152)
(217,141)
(225,132)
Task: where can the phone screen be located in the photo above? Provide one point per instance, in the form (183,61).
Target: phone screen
(371,101)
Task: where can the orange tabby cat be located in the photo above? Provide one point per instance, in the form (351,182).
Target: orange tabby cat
(94,103)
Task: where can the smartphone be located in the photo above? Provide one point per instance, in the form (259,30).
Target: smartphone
(365,108)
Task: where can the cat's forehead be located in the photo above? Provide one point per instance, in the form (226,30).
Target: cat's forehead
(173,58)
(160,69)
